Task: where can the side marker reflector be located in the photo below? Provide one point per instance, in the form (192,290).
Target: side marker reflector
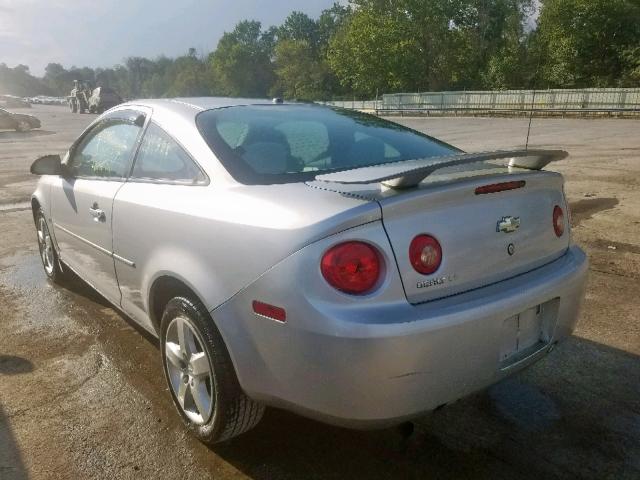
(270,311)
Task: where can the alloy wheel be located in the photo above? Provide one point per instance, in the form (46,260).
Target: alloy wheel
(46,246)
(189,370)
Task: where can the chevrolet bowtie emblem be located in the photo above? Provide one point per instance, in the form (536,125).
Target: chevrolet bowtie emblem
(508,224)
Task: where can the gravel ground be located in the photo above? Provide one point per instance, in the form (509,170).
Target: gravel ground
(82,396)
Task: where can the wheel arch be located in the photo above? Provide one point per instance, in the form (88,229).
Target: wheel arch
(163,288)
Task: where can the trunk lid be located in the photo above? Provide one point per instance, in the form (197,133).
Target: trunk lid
(475,253)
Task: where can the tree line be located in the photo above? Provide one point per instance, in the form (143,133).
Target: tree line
(383,46)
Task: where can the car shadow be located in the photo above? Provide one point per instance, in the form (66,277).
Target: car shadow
(13,365)
(76,285)
(11,463)
(575,414)
(13,135)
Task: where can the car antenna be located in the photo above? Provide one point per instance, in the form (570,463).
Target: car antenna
(533,100)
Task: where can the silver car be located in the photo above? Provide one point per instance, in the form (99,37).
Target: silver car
(314,259)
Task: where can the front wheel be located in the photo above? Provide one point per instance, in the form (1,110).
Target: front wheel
(201,377)
(48,253)
(23,126)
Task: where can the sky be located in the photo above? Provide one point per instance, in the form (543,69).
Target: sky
(101,33)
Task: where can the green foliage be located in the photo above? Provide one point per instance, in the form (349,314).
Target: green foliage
(300,73)
(413,45)
(242,63)
(589,43)
(383,46)
(18,81)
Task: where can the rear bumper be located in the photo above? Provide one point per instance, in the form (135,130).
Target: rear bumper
(396,361)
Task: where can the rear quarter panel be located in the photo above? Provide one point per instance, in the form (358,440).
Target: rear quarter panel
(217,239)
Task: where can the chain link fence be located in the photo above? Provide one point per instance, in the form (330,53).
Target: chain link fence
(578,102)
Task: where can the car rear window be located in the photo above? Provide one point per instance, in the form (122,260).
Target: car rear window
(264,144)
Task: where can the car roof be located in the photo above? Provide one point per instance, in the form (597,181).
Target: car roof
(188,108)
(202,103)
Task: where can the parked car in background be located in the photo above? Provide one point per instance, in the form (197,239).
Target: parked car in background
(320,260)
(17,121)
(11,101)
(45,100)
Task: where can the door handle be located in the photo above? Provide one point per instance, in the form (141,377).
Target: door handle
(97,214)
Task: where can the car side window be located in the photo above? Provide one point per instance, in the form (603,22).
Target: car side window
(106,152)
(160,158)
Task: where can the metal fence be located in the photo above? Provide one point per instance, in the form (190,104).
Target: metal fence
(585,101)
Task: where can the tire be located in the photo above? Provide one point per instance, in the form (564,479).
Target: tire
(73,106)
(212,404)
(48,254)
(23,126)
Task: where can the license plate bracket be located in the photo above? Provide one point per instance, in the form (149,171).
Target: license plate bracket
(527,332)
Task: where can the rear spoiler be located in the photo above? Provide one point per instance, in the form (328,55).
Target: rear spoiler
(409,173)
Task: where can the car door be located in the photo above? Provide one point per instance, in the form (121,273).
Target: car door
(82,201)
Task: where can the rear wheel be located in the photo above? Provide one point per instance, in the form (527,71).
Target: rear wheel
(201,377)
(48,253)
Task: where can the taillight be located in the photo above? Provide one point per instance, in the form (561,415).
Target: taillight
(351,267)
(425,254)
(558,221)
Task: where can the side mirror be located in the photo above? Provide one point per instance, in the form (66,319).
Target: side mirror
(47,165)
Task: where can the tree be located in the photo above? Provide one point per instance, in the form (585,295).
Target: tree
(18,81)
(301,74)
(139,69)
(394,45)
(300,62)
(300,27)
(188,77)
(375,50)
(330,22)
(588,43)
(241,63)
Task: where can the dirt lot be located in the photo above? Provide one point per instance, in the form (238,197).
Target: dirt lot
(82,396)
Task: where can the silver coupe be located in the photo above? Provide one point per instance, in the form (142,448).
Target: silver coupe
(314,259)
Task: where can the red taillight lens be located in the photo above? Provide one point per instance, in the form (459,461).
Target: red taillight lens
(425,254)
(558,221)
(351,267)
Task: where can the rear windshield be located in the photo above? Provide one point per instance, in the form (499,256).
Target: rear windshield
(264,144)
